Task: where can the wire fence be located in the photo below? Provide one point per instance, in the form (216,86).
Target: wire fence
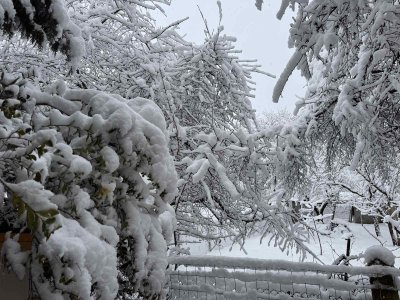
(219,278)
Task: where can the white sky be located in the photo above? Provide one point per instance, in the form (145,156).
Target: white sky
(259,34)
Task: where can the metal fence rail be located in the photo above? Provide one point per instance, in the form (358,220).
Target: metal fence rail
(221,278)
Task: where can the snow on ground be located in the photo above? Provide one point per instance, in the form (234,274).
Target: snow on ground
(332,246)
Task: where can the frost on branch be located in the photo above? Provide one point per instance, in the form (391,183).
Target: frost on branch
(91,176)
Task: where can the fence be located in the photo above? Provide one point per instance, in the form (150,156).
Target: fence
(218,278)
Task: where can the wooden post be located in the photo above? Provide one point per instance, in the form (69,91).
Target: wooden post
(348,248)
(384,292)
(386,288)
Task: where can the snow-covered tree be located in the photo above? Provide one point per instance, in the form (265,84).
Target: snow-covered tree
(348,51)
(204,91)
(201,89)
(229,171)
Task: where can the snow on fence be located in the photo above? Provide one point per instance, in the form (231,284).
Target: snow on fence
(217,278)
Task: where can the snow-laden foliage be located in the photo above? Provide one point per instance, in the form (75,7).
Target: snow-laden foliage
(368,191)
(348,51)
(345,141)
(44,22)
(90,175)
(230,172)
(229,189)
(203,90)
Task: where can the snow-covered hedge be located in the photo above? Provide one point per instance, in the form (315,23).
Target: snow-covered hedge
(91,176)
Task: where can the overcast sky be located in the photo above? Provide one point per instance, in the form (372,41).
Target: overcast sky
(259,34)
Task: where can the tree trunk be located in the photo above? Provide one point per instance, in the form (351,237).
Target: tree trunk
(348,248)
(351,215)
(392,234)
(333,217)
(397,234)
(376,227)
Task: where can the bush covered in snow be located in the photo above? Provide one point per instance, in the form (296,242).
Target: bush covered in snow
(90,175)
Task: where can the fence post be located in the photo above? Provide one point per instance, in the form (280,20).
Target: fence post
(386,288)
